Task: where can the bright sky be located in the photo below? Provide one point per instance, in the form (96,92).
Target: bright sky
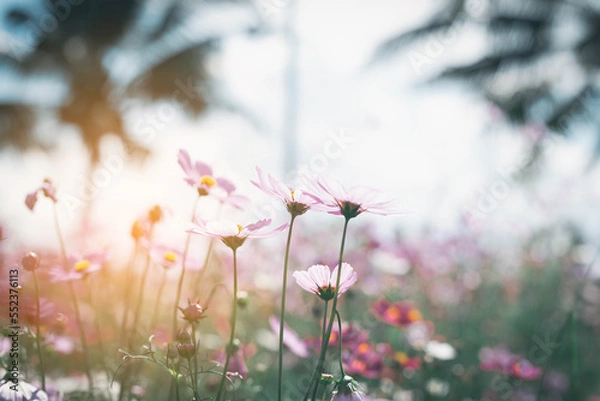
(439,149)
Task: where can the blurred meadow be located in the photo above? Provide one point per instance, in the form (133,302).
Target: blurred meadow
(180,179)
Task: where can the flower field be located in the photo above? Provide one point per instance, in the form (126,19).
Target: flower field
(296,308)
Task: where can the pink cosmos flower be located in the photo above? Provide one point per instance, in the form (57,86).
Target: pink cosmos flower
(296,201)
(234,235)
(290,338)
(320,280)
(47,189)
(166,256)
(80,266)
(399,314)
(200,176)
(331,197)
(501,359)
(20,391)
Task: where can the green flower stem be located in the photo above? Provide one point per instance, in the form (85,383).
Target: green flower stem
(37,331)
(339,320)
(128,278)
(195,371)
(84,345)
(140,299)
(157,304)
(233,320)
(96,325)
(324,327)
(181,277)
(282,316)
(321,361)
(63,251)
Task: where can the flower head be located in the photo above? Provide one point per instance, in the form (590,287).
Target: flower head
(20,391)
(501,359)
(193,312)
(320,280)
(80,266)
(166,256)
(47,189)
(330,196)
(399,314)
(30,261)
(346,390)
(296,201)
(234,235)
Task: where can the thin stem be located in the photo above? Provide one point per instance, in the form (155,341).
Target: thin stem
(195,370)
(321,361)
(339,320)
(282,316)
(96,325)
(192,378)
(181,277)
(157,304)
(128,291)
(323,328)
(200,275)
(138,306)
(233,319)
(63,251)
(82,335)
(37,331)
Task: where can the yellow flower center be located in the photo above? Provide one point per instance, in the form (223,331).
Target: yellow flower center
(414,315)
(171,257)
(240,228)
(208,180)
(401,357)
(82,265)
(292,191)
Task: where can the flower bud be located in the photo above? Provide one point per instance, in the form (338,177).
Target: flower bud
(138,230)
(30,261)
(172,351)
(193,312)
(183,336)
(242,299)
(155,214)
(186,350)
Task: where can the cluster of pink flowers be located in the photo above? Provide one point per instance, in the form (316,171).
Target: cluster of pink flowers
(500,359)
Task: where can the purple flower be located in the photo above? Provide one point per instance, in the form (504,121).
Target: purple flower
(500,359)
(166,256)
(290,338)
(80,266)
(200,176)
(234,235)
(47,189)
(320,280)
(331,197)
(296,201)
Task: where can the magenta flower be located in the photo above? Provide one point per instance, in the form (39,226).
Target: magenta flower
(320,280)
(331,197)
(200,176)
(290,338)
(500,359)
(296,201)
(47,189)
(234,235)
(80,266)
(166,256)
